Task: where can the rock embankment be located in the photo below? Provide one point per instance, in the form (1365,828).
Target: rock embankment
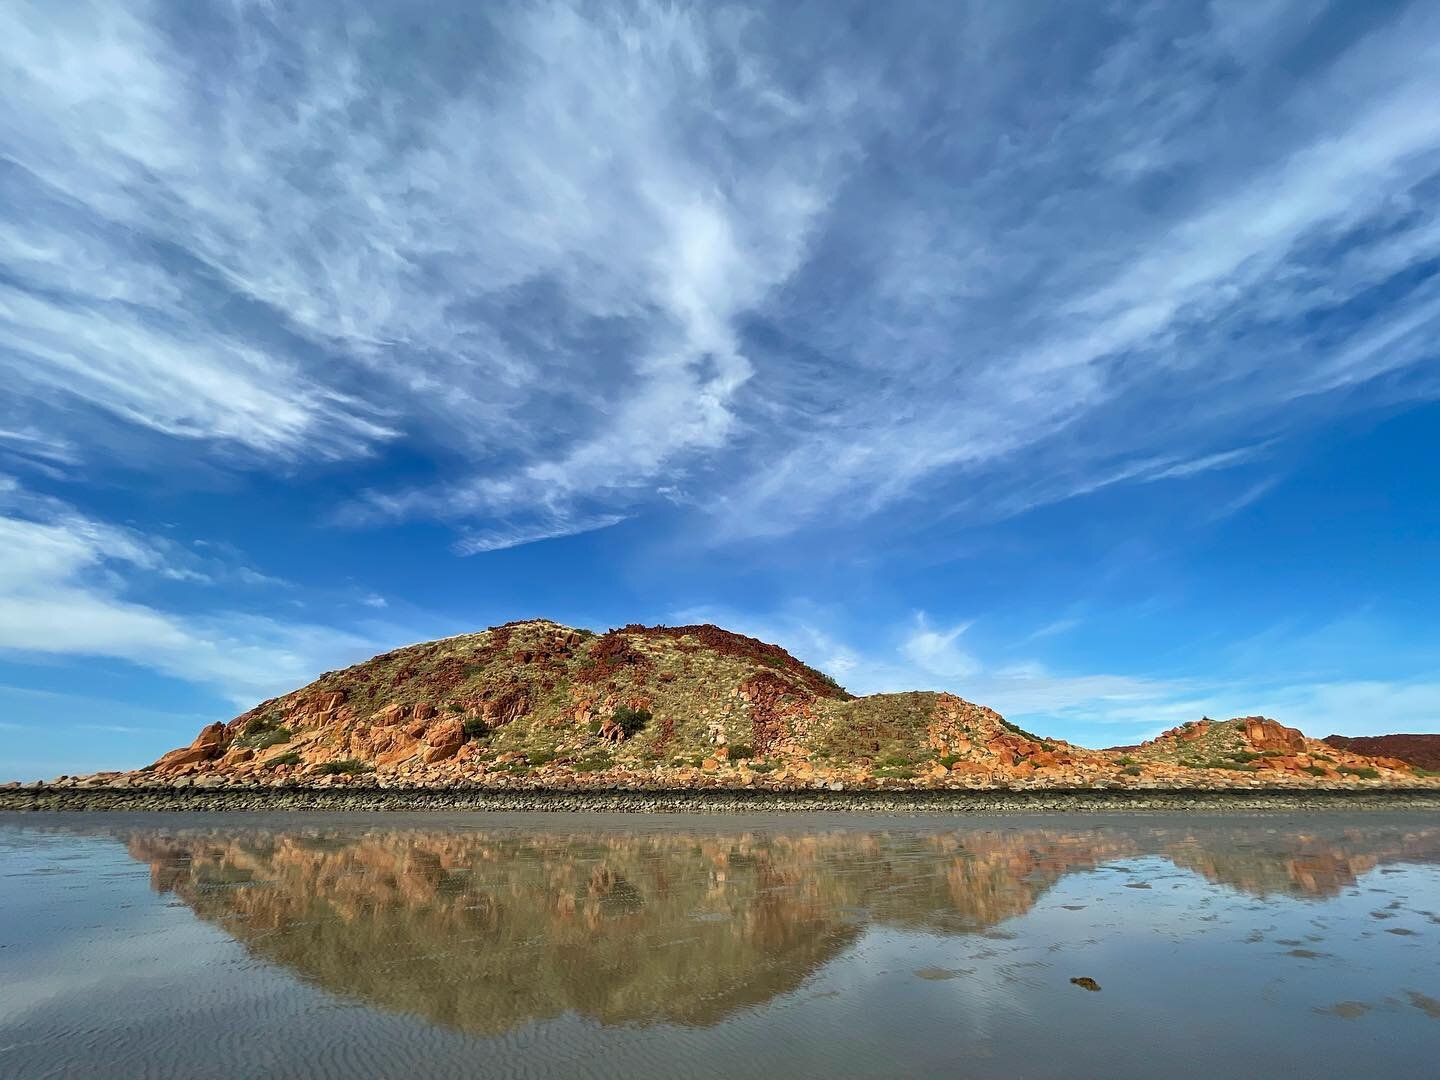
(599,800)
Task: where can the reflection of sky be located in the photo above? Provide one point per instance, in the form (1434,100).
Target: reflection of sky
(83,928)
(102,970)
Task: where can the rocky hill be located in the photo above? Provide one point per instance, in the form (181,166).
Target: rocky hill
(1259,746)
(537,704)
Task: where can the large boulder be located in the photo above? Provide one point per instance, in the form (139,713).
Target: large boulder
(1265,734)
(443,740)
(208,746)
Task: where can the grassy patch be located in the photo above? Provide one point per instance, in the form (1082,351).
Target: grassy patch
(598,763)
(263,732)
(1131,770)
(541,757)
(290,757)
(1365,772)
(1315,770)
(265,739)
(476,728)
(1125,759)
(739,752)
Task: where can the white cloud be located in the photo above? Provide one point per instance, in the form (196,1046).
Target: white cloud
(775,265)
(937,652)
(551,527)
(62,593)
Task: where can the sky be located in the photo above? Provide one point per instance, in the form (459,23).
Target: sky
(1079,359)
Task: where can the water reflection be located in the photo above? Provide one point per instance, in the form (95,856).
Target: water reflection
(483,930)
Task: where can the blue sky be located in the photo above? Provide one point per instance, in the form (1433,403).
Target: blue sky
(1080,359)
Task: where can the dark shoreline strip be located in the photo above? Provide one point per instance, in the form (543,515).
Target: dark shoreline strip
(615,800)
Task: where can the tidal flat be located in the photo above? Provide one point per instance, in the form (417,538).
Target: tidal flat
(432,944)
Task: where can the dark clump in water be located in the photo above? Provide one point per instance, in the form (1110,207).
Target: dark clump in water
(547,945)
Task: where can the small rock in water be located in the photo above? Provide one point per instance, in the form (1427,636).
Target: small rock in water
(1086,983)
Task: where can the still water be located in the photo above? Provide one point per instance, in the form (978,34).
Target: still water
(794,945)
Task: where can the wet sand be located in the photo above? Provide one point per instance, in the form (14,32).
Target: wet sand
(825,944)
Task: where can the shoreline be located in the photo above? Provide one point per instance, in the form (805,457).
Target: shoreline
(705,801)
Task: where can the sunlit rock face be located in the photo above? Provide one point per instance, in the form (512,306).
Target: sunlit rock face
(484,931)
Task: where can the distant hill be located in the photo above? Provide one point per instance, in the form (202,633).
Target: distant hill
(538,704)
(1421,750)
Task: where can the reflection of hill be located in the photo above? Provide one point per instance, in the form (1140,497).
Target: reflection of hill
(486,931)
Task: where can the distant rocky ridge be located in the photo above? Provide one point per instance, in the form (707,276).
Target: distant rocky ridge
(539,705)
(1421,750)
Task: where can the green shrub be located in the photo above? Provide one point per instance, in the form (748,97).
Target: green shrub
(895,773)
(1315,770)
(541,757)
(290,757)
(345,766)
(1365,772)
(455,707)
(948,759)
(740,752)
(1018,730)
(631,721)
(1125,759)
(1420,770)
(476,728)
(894,761)
(767,766)
(1245,756)
(1131,770)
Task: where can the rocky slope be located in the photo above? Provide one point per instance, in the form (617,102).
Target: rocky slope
(537,704)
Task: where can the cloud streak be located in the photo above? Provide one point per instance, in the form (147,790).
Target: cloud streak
(598,260)
(63,593)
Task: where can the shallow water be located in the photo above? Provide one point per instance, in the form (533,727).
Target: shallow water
(558,945)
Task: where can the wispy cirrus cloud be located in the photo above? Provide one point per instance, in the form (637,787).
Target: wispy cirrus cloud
(773,264)
(65,590)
